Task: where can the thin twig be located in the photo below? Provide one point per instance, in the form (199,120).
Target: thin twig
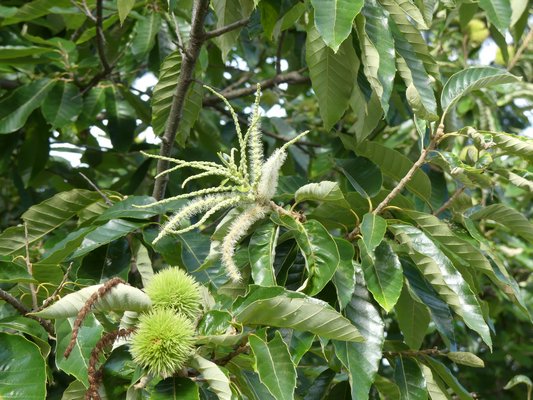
(58,289)
(23,310)
(414,353)
(84,9)
(93,185)
(450,200)
(29,267)
(293,77)
(200,10)
(520,50)
(100,38)
(225,29)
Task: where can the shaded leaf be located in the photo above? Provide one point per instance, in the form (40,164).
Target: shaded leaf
(409,379)
(373,228)
(124,7)
(344,278)
(508,217)
(364,176)
(63,104)
(446,375)
(262,251)
(413,319)
(498,13)
(216,379)
(323,191)
(145,32)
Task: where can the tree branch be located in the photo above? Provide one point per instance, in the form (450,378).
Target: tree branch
(293,77)
(450,200)
(197,37)
(225,29)
(22,309)
(520,50)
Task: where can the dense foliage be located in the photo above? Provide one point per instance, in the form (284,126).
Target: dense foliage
(384,254)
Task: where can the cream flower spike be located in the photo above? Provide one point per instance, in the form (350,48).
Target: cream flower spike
(247,180)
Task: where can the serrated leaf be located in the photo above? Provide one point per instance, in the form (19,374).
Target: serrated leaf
(362,359)
(332,75)
(262,251)
(45,217)
(274,366)
(516,179)
(145,32)
(465,358)
(16,108)
(413,319)
(467,80)
(323,191)
(319,250)
(409,8)
(77,363)
(498,13)
(11,272)
(104,234)
(119,298)
(344,278)
(447,281)
(281,308)
(396,165)
(216,379)
(409,379)
(124,7)
(446,375)
(508,217)
(383,273)
(23,369)
(334,19)
(513,144)
(373,228)
(62,105)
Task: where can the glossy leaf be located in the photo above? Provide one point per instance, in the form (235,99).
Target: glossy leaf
(43,218)
(120,298)
(383,273)
(447,281)
(513,144)
(409,378)
(498,13)
(145,32)
(344,278)
(373,228)
(78,361)
(413,319)
(15,109)
(446,375)
(463,82)
(62,105)
(23,369)
(262,251)
(396,165)
(325,191)
(334,19)
(362,359)
(332,75)
(434,385)
(227,12)
(363,174)
(274,366)
(11,272)
(508,217)
(284,309)
(216,379)
(319,250)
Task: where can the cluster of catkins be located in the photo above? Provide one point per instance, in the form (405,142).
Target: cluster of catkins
(164,339)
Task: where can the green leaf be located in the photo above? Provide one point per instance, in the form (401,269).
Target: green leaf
(409,379)
(508,217)
(75,391)
(373,228)
(285,309)
(45,217)
(344,278)
(262,251)
(319,250)
(387,389)
(396,165)
(16,108)
(498,13)
(325,191)
(241,368)
(29,327)
(332,75)
(413,319)
(124,7)
(434,385)
(121,298)
(175,388)
(383,273)
(517,379)
(13,52)
(467,80)
(447,281)
(11,272)
(446,375)
(513,144)
(63,104)
(274,366)
(145,32)
(34,9)
(407,7)
(377,47)
(334,19)
(216,379)
(466,358)
(364,176)
(144,265)
(23,369)
(227,12)
(104,234)
(362,359)
(78,361)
